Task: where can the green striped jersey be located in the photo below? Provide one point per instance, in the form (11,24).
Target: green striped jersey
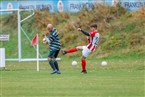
(54,40)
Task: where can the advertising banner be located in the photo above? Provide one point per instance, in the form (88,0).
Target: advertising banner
(133,5)
(48,5)
(72,6)
(9,5)
(27,4)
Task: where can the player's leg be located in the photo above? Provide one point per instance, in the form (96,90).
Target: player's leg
(51,62)
(72,50)
(55,62)
(84,71)
(85,54)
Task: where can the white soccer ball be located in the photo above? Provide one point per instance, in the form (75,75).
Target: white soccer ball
(74,63)
(104,63)
(44,41)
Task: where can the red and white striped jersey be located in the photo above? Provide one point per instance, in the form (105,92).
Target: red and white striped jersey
(93,40)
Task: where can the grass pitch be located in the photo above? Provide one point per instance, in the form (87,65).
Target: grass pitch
(123,78)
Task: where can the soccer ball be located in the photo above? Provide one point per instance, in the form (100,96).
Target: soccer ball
(74,63)
(103,63)
(44,41)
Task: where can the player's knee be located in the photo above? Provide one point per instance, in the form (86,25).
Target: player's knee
(79,47)
(49,59)
(52,58)
(83,57)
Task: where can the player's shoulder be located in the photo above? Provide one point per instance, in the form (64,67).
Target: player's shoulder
(93,33)
(55,32)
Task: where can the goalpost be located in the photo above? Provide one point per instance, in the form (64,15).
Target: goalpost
(19,21)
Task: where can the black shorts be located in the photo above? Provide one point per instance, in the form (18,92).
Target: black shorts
(53,53)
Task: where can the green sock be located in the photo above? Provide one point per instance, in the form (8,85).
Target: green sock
(51,62)
(56,65)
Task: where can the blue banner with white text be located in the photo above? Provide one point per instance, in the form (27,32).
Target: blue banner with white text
(72,6)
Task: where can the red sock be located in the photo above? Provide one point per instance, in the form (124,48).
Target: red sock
(71,50)
(83,65)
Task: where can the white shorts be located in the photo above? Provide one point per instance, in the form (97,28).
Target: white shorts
(85,52)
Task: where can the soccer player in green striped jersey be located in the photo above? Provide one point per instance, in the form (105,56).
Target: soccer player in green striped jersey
(54,46)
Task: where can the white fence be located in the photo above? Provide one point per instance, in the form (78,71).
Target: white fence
(2,57)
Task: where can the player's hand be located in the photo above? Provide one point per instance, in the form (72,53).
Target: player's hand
(79,29)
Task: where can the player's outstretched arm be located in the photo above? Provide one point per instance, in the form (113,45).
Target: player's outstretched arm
(85,33)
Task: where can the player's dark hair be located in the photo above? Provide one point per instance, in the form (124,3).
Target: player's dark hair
(94,25)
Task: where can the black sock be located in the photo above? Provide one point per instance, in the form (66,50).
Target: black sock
(51,62)
(56,65)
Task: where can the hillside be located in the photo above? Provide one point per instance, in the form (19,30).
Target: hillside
(122,32)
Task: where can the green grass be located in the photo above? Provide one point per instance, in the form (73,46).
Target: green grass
(121,78)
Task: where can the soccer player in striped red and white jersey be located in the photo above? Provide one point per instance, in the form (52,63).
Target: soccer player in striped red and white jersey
(93,39)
